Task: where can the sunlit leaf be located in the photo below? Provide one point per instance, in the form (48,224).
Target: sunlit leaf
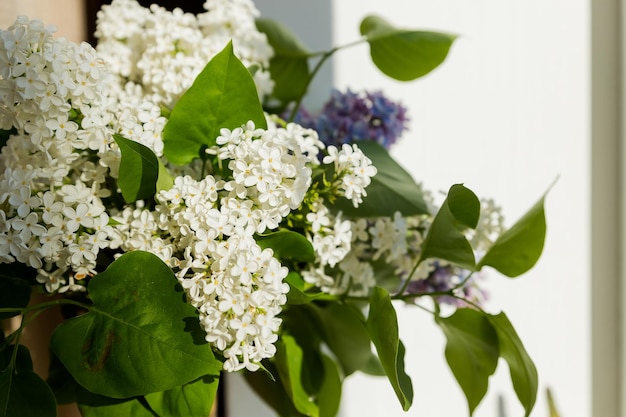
(404,54)
(190,400)
(223,95)
(288,246)
(382,325)
(471,351)
(139,170)
(140,336)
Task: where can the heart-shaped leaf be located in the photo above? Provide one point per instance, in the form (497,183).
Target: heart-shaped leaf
(382,325)
(139,336)
(404,54)
(139,170)
(223,95)
(471,351)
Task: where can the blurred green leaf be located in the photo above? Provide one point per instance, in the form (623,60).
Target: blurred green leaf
(521,366)
(140,336)
(552,404)
(329,396)
(289,68)
(382,325)
(404,54)
(519,248)
(471,351)
(223,95)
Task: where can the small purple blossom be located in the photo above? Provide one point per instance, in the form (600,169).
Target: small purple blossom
(442,279)
(348,117)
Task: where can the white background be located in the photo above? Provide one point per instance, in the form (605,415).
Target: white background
(506,114)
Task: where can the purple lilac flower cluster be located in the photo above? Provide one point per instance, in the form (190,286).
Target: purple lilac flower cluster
(348,117)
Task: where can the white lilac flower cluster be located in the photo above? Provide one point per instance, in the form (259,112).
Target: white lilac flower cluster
(204,230)
(60,208)
(160,52)
(346,263)
(58,116)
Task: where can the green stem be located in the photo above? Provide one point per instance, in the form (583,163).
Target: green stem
(324,57)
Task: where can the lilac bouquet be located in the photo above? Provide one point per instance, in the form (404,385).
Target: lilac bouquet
(168,186)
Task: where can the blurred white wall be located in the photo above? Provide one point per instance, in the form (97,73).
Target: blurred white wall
(67,15)
(506,114)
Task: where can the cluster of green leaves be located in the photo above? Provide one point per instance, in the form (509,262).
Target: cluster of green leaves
(138,350)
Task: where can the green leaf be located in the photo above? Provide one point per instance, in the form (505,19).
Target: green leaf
(223,95)
(165,180)
(271,392)
(472,352)
(392,183)
(554,412)
(288,246)
(329,396)
(289,68)
(190,400)
(382,325)
(19,385)
(14,293)
(139,170)
(139,336)
(94,405)
(521,366)
(290,363)
(61,382)
(518,249)
(346,335)
(404,54)
(445,238)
